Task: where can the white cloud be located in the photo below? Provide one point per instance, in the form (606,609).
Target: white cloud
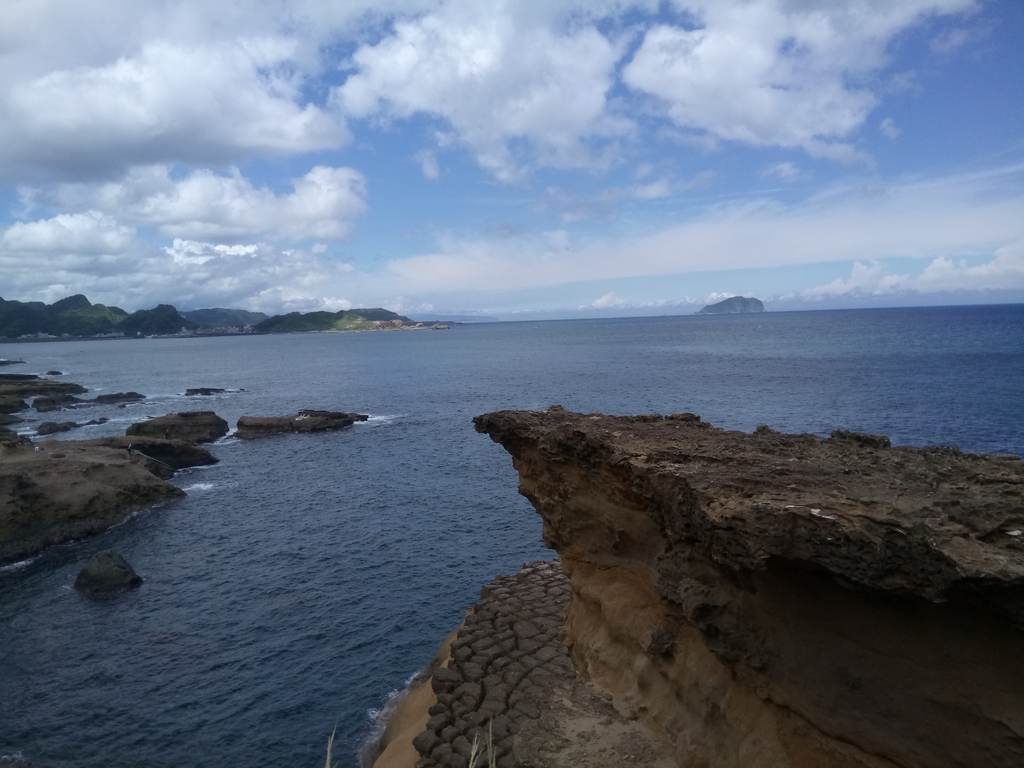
(786,171)
(768,73)
(497,76)
(88,234)
(164,103)
(223,207)
(610,299)
(654,190)
(953,217)
(889,129)
(428,164)
(942,275)
(91,254)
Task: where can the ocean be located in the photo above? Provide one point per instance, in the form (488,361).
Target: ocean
(305,578)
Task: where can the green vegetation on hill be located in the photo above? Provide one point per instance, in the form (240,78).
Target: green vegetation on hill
(345,320)
(219,317)
(77,316)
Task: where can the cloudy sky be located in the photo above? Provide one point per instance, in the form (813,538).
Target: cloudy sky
(548,158)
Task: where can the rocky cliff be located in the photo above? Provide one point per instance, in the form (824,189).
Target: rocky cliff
(786,600)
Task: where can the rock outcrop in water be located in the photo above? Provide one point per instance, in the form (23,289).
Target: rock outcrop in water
(190,426)
(786,600)
(58,491)
(303,421)
(107,571)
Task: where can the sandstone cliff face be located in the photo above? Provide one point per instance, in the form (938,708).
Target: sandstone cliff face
(784,600)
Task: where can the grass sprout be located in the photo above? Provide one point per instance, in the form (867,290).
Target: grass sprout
(330,747)
(474,753)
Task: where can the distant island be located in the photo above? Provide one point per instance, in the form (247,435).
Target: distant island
(77,317)
(733,306)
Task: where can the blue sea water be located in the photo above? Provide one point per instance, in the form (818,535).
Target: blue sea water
(305,578)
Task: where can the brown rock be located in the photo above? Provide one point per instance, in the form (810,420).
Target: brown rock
(304,421)
(785,600)
(191,426)
(58,491)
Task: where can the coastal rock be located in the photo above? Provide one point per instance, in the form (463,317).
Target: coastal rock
(53,427)
(53,492)
(786,600)
(54,373)
(118,397)
(107,571)
(55,402)
(734,305)
(168,456)
(11,404)
(18,385)
(191,426)
(204,391)
(304,421)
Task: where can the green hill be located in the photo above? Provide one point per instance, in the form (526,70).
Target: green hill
(219,317)
(74,316)
(345,320)
(77,316)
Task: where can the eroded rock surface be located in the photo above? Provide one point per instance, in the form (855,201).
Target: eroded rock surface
(503,661)
(191,426)
(303,421)
(786,600)
(57,491)
(508,679)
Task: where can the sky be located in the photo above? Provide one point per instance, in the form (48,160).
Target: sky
(512,159)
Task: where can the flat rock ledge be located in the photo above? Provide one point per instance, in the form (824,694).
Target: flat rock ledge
(304,421)
(509,678)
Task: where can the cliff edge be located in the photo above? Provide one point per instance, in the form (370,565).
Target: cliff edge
(786,600)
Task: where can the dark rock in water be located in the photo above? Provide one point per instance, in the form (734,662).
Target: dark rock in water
(53,427)
(304,421)
(8,418)
(193,426)
(18,377)
(733,306)
(118,397)
(862,438)
(204,391)
(107,571)
(33,386)
(9,404)
(55,373)
(95,422)
(55,402)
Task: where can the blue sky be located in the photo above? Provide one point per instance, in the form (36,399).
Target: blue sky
(531,159)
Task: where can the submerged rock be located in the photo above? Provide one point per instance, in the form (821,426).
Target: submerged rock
(191,426)
(107,571)
(304,421)
(204,391)
(786,600)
